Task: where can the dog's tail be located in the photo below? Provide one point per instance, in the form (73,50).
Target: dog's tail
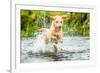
(42,30)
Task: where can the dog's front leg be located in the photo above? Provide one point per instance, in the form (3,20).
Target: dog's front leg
(61,38)
(54,39)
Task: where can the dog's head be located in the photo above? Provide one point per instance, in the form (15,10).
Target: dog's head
(57,22)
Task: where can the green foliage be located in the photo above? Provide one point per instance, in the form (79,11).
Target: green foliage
(75,24)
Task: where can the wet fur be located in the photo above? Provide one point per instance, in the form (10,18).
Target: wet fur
(54,34)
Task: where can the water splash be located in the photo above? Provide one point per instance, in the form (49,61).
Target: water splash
(39,43)
(72,48)
(40,46)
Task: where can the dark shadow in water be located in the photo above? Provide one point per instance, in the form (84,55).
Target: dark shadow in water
(60,56)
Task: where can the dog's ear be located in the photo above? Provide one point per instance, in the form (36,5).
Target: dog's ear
(52,17)
(64,16)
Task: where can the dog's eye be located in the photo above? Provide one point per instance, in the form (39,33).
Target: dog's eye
(56,21)
(60,21)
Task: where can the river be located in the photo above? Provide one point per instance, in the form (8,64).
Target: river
(73,48)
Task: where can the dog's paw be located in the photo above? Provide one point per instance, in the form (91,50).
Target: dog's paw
(61,41)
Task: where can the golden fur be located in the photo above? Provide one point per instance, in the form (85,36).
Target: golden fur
(54,34)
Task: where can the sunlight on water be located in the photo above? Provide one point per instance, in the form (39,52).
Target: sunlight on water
(73,48)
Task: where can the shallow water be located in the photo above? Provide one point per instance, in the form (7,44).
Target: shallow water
(72,48)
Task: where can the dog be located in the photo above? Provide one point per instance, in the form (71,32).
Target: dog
(55,33)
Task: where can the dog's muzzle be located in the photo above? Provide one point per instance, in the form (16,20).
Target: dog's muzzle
(60,27)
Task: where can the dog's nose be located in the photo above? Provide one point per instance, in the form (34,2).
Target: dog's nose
(59,27)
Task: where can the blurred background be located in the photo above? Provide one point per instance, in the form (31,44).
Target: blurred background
(76,23)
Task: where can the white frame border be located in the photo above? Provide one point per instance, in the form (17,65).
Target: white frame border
(15,61)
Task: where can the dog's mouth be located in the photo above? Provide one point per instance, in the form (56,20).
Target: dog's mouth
(58,28)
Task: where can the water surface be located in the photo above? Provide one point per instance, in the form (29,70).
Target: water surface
(73,48)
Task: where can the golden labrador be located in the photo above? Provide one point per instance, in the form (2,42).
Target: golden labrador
(55,33)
